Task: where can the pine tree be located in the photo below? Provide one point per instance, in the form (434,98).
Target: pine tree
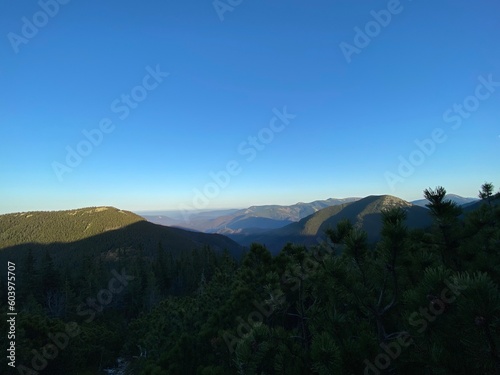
(445,214)
(486,192)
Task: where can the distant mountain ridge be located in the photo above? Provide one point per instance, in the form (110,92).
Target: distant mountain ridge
(249,220)
(269,223)
(365,214)
(452,197)
(294,212)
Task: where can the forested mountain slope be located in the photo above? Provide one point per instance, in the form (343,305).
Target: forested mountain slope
(365,214)
(96,230)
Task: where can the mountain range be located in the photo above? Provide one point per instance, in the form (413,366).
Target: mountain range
(304,223)
(364,214)
(253,219)
(97,231)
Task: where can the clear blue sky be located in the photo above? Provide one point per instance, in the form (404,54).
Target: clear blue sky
(357,113)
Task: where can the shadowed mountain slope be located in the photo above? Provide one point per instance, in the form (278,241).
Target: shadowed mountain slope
(93,231)
(365,214)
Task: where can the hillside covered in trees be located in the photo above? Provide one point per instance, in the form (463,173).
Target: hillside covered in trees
(364,214)
(418,301)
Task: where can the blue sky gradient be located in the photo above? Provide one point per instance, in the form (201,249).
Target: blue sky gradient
(352,121)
